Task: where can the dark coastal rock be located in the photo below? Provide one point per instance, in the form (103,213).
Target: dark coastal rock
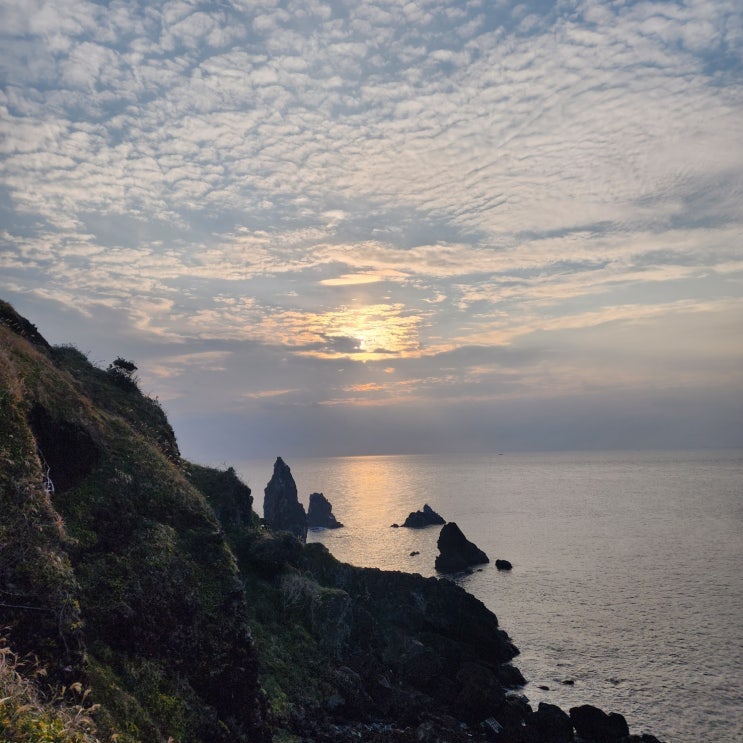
(480,692)
(407,639)
(456,551)
(230,498)
(421,519)
(510,676)
(271,553)
(282,510)
(503,565)
(594,725)
(552,724)
(320,513)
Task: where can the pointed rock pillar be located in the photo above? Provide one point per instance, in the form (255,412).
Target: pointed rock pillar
(282,510)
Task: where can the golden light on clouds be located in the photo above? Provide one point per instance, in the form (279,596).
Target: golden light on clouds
(353,279)
(349,279)
(365,333)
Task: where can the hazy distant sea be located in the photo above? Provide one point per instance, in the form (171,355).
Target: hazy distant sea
(628,567)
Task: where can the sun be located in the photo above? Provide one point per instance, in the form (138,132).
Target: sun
(366,333)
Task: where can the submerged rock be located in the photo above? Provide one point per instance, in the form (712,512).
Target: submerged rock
(456,551)
(320,513)
(421,519)
(282,510)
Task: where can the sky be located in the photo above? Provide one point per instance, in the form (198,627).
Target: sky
(327,228)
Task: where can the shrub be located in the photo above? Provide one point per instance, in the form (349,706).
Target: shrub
(122,372)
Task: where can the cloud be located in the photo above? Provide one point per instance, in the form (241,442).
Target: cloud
(381,183)
(360,278)
(176,365)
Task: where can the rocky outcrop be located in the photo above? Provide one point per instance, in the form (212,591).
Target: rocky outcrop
(282,510)
(552,724)
(405,638)
(227,495)
(456,551)
(593,724)
(421,519)
(503,565)
(320,513)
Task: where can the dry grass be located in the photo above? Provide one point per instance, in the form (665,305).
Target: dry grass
(28,716)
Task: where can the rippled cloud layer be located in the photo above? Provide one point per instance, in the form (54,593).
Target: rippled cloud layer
(280,207)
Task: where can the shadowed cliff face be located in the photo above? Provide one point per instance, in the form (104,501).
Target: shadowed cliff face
(65,448)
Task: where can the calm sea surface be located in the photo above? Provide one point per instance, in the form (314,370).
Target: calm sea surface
(628,567)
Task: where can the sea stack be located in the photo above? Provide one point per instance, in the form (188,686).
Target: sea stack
(421,519)
(320,513)
(456,551)
(282,510)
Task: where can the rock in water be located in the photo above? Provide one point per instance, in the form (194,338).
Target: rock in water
(503,565)
(421,519)
(457,552)
(282,510)
(320,513)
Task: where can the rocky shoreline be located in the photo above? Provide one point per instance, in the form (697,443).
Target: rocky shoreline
(416,659)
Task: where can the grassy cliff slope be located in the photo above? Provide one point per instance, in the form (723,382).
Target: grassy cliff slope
(114,570)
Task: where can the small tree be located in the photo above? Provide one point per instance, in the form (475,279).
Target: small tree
(122,372)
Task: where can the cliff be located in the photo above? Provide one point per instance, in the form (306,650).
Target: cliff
(141,599)
(115,574)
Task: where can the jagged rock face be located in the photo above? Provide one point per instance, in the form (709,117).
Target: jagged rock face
(282,510)
(456,551)
(409,645)
(421,519)
(227,495)
(320,513)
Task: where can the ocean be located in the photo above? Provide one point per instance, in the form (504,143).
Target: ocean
(627,583)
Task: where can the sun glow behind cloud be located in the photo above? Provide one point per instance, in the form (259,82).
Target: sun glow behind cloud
(364,333)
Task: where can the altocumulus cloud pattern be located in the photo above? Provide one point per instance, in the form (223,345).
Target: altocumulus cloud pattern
(470,223)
